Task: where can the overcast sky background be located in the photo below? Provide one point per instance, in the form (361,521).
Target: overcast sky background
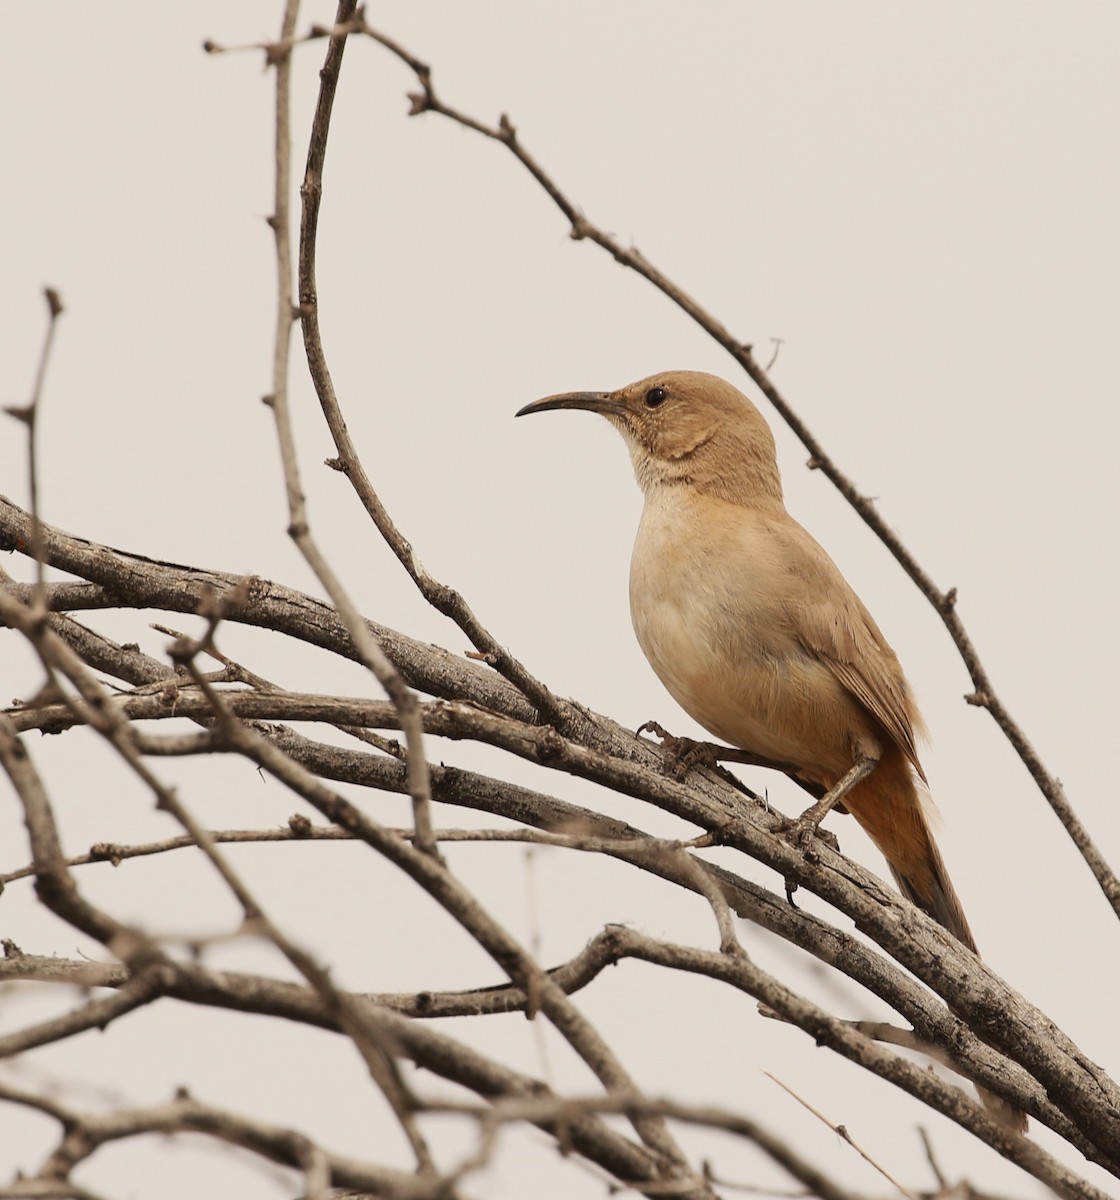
(920,203)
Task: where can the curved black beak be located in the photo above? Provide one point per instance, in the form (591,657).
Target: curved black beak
(600,402)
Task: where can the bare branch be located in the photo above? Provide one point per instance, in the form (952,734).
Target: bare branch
(59,892)
(430,874)
(433,1051)
(134,581)
(141,989)
(1065,1183)
(620,761)
(86,1132)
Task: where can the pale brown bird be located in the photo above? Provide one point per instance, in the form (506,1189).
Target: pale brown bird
(753,629)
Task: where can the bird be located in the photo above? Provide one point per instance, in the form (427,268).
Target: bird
(755,632)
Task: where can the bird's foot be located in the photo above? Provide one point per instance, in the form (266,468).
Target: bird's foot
(682,753)
(801,831)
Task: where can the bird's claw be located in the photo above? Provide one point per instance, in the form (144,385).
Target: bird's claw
(802,831)
(681,753)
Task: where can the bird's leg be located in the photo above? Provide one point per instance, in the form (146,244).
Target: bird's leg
(806,825)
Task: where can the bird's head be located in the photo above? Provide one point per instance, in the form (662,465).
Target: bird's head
(687,427)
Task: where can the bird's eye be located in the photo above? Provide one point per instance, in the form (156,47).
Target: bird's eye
(656,397)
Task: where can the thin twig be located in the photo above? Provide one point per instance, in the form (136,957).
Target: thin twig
(931,1158)
(841,1132)
(28,414)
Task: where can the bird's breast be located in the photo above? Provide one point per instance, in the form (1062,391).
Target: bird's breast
(710,611)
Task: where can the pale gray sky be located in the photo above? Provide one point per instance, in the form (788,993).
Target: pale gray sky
(920,203)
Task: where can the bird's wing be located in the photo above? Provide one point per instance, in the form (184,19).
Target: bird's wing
(832,622)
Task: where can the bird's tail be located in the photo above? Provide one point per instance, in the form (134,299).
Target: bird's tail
(888,806)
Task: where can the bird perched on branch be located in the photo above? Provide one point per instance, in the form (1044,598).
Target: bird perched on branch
(753,629)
